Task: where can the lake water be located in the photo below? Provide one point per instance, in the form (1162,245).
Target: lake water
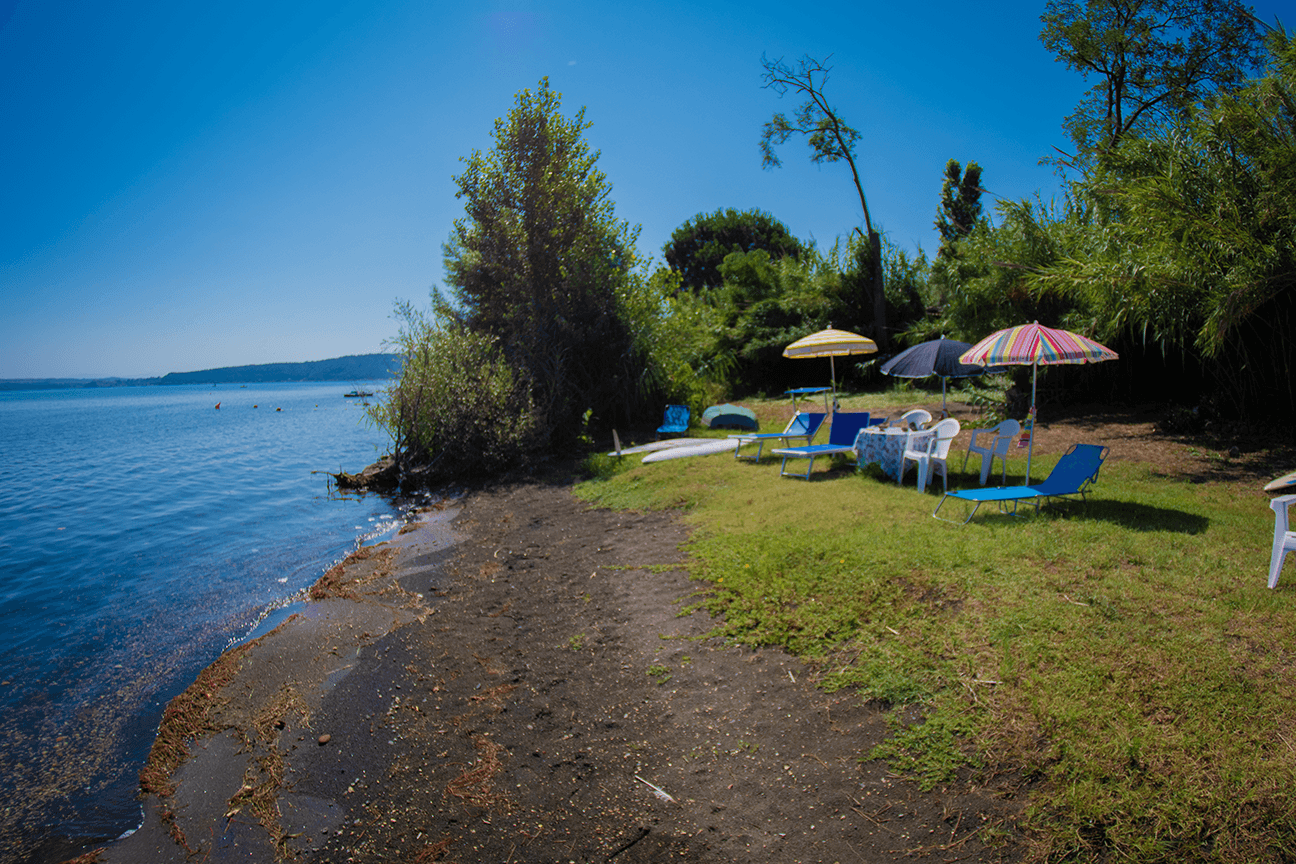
(143,532)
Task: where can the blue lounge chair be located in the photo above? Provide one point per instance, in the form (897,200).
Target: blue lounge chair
(802,425)
(675,421)
(1074,473)
(841,439)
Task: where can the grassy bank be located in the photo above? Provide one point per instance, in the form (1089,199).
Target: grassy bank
(1123,658)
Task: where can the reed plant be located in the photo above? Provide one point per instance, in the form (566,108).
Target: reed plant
(1122,658)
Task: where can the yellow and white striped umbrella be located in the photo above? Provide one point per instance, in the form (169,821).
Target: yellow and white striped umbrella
(830,343)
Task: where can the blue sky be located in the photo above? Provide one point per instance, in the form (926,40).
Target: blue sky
(199,185)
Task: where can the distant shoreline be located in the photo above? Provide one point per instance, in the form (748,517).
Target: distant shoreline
(355,367)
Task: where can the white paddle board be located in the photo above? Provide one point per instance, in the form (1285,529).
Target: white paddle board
(1286,481)
(709,446)
(654,446)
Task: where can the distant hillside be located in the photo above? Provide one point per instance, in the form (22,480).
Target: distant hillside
(72,383)
(357,367)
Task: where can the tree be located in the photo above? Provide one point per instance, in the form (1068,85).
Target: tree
(1196,257)
(1153,59)
(960,206)
(537,263)
(830,140)
(699,246)
(764,305)
(547,330)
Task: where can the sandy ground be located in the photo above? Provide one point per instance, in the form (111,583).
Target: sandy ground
(509,681)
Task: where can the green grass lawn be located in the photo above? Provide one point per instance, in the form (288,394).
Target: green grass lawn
(1124,658)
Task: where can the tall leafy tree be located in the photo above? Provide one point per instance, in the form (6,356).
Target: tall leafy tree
(960,206)
(538,260)
(767,303)
(830,140)
(699,246)
(1152,60)
(990,282)
(764,305)
(1196,256)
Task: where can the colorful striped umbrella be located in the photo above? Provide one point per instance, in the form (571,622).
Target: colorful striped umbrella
(831,343)
(1034,345)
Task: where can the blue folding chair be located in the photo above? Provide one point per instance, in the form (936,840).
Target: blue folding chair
(675,421)
(1074,473)
(802,425)
(841,439)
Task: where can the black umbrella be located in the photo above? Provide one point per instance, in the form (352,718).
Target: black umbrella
(937,357)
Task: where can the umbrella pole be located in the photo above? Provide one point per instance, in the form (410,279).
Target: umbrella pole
(832,364)
(1030,449)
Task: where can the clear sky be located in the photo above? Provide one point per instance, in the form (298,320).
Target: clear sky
(190,186)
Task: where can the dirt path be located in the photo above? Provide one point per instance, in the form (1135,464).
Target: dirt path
(556,683)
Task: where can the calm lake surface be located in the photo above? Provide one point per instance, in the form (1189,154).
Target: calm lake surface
(142,533)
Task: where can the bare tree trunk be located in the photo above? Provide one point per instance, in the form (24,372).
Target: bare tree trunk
(879,291)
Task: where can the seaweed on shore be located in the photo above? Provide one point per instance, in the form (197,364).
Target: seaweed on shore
(474,786)
(334,584)
(186,717)
(259,794)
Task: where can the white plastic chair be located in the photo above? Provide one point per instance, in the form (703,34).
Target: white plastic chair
(913,419)
(1001,439)
(934,456)
(1284,537)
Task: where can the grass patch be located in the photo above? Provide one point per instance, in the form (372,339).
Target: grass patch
(1124,656)
(660,673)
(931,750)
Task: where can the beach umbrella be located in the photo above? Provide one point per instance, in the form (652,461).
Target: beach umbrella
(831,343)
(1034,345)
(936,357)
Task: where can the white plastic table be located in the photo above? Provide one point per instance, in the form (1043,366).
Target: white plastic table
(886,446)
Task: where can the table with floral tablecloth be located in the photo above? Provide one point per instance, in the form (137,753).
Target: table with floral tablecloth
(886,446)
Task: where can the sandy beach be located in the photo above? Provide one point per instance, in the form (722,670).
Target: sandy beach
(491,686)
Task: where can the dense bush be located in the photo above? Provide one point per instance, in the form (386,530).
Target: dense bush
(458,406)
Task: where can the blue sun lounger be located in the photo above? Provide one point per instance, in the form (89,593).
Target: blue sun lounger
(802,425)
(841,439)
(1074,473)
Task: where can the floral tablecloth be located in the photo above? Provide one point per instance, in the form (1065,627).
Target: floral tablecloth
(886,447)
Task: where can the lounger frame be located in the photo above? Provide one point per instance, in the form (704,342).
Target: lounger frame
(1072,477)
(844,425)
(809,428)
